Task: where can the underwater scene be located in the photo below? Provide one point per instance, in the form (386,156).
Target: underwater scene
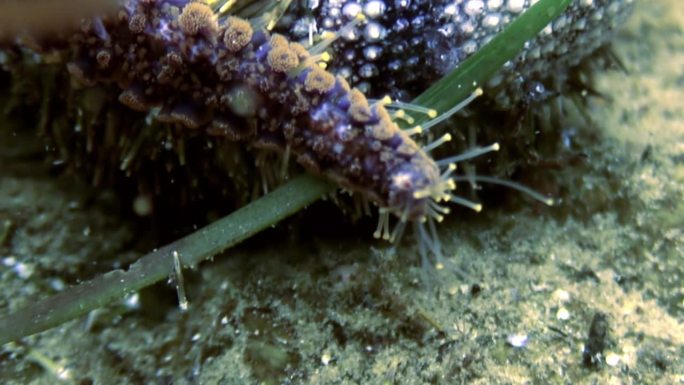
(341,192)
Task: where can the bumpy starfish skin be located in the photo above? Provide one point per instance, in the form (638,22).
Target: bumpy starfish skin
(405,45)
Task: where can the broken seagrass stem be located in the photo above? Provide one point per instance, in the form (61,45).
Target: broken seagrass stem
(270,209)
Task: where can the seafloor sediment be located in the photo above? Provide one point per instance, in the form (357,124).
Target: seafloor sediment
(517,307)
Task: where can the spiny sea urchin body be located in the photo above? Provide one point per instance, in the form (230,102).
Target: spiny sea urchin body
(175,62)
(403,46)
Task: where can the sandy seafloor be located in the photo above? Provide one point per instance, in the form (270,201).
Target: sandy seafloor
(340,311)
